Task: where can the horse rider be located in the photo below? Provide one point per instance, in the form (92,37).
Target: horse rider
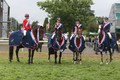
(26,24)
(106,27)
(58,26)
(76,27)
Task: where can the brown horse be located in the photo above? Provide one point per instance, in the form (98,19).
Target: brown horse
(77,46)
(41,28)
(31,51)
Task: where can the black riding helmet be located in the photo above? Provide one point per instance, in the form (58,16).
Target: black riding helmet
(26,15)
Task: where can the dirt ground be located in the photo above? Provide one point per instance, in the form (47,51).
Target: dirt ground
(88,52)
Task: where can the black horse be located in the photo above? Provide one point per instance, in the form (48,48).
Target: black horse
(58,44)
(106,45)
(31,51)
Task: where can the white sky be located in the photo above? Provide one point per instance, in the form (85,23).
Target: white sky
(18,8)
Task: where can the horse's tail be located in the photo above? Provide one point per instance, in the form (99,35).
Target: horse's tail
(11,50)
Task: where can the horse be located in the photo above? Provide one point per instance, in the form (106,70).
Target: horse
(40,38)
(20,41)
(77,45)
(105,45)
(58,44)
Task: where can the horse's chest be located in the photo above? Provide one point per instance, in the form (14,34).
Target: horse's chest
(77,41)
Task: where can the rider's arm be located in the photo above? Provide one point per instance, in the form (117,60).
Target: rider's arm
(75,30)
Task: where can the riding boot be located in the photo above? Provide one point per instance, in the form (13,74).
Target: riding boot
(23,37)
(65,44)
(51,42)
(111,42)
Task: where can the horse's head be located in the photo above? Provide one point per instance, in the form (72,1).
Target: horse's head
(79,32)
(39,32)
(59,35)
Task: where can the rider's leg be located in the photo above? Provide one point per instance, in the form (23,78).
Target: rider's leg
(109,34)
(24,32)
(52,38)
(110,37)
(72,36)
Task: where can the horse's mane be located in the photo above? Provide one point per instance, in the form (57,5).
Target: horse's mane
(41,30)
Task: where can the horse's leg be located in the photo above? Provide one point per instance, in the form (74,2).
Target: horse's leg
(111,53)
(55,57)
(74,57)
(80,58)
(77,57)
(48,54)
(29,56)
(17,50)
(101,58)
(11,51)
(32,56)
(60,55)
(107,56)
(40,47)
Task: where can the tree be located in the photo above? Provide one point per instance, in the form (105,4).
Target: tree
(68,11)
(45,23)
(14,24)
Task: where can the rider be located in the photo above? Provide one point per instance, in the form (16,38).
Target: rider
(58,26)
(26,24)
(106,27)
(77,26)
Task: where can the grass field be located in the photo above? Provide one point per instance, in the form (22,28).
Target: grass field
(42,70)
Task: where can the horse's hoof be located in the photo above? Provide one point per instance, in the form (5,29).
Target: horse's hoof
(107,63)
(10,60)
(74,62)
(59,62)
(101,62)
(18,60)
(48,61)
(80,62)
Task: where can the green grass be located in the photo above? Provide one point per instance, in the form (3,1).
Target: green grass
(42,70)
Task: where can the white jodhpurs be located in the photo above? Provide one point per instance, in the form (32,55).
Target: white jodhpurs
(71,36)
(53,36)
(109,34)
(24,32)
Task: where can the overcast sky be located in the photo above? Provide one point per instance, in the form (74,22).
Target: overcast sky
(18,8)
